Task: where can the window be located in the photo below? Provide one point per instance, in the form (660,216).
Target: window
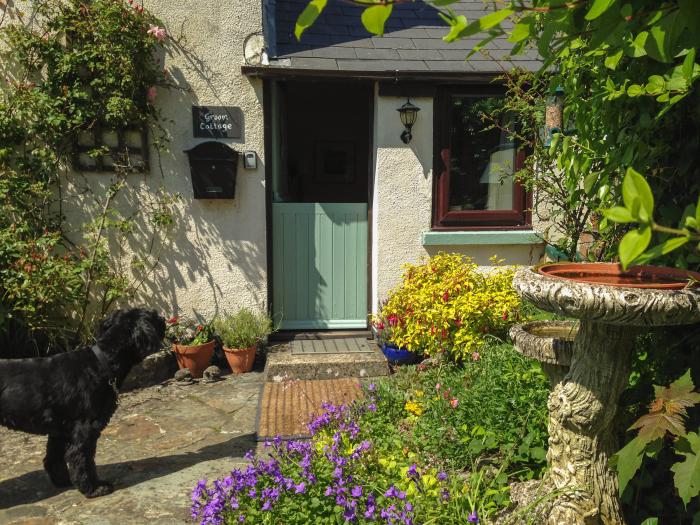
(474,186)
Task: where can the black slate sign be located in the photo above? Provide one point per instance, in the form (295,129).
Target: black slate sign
(217,122)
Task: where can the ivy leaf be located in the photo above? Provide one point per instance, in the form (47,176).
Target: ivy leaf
(627,461)
(633,245)
(308,16)
(598,8)
(619,214)
(686,474)
(374,18)
(634,186)
(650,521)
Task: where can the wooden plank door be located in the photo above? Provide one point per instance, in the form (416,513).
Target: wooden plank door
(319,265)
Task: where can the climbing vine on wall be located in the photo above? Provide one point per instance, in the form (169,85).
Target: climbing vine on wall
(69,68)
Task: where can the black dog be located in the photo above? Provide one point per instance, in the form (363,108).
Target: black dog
(72,396)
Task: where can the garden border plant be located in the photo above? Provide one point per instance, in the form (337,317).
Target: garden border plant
(72,67)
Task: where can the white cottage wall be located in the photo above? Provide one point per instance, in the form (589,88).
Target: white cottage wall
(216,259)
(402,201)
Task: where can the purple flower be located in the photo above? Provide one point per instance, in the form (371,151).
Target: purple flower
(371,387)
(473,518)
(413,471)
(372,407)
(356,491)
(300,488)
(441,476)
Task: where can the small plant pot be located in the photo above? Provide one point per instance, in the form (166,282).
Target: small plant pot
(196,358)
(240,359)
(399,356)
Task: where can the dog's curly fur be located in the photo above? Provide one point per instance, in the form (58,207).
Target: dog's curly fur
(71,396)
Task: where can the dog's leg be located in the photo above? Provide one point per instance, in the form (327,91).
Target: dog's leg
(81,460)
(55,462)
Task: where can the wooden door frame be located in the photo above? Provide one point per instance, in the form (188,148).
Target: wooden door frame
(267,147)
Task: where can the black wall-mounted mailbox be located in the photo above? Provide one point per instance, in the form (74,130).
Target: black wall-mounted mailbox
(213,167)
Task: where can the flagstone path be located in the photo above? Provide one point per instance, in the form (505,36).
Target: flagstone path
(160,441)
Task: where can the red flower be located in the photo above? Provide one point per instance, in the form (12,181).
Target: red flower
(200,328)
(505,315)
(172,320)
(446,296)
(380,325)
(444,333)
(458,322)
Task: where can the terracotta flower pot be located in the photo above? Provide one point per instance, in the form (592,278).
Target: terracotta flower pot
(196,358)
(240,359)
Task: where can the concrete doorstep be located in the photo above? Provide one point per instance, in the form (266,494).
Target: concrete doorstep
(283,365)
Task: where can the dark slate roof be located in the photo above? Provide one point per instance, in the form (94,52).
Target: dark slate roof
(412,40)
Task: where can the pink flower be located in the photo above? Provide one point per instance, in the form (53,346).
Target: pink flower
(158,32)
(152,94)
(454,402)
(437,386)
(475,356)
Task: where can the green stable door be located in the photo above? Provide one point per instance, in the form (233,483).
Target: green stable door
(320,165)
(319,265)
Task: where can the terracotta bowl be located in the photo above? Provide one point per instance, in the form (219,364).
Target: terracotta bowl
(612,274)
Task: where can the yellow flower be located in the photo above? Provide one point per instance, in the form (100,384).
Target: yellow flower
(414,408)
(419,393)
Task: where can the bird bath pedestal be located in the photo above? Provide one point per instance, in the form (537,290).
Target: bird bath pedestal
(613,307)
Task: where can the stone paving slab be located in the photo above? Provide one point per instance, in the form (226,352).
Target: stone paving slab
(160,442)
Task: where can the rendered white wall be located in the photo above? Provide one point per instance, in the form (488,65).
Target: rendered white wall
(402,204)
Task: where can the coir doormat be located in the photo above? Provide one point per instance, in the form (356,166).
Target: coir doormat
(285,408)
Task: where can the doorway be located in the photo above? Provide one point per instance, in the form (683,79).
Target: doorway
(319,175)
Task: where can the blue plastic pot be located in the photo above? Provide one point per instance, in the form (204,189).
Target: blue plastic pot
(399,356)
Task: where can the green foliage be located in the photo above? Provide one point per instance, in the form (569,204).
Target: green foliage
(488,411)
(71,68)
(243,329)
(639,208)
(667,414)
(444,305)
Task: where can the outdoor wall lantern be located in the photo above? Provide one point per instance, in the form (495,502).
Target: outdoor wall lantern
(408,113)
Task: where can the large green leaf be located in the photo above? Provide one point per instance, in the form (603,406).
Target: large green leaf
(663,37)
(460,28)
(619,214)
(598,8)
(374,18)
(308,16)
(686,474)
(627,461)
(522,30)
(633,245)
(634,186)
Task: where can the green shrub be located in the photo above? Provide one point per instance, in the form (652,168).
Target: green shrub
(494,407)
(243,329)
(446,305)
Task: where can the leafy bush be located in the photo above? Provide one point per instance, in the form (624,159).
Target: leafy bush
(243,329)
(400,454)
(492,409)
(446,305)
(68,69)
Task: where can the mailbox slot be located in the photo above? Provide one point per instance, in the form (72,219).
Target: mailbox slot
(213,167)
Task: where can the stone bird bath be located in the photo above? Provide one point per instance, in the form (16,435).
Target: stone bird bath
(613,307)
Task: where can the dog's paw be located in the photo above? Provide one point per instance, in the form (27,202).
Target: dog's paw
(102,489)
(60,479)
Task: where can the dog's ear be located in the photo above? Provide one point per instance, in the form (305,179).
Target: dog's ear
(110,321)
(148,332)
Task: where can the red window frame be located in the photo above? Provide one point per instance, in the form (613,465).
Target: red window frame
(517,218)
